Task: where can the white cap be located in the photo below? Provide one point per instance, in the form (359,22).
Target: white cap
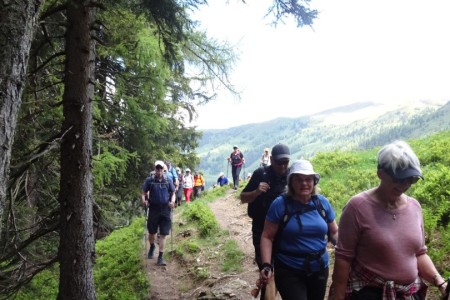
(160,163)
(221,174)
(188,170)
(304,167)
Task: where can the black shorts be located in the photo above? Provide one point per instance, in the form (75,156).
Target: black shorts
(159,217)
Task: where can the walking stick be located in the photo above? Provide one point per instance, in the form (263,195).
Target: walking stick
(171,231)
(447,290)
(228,166)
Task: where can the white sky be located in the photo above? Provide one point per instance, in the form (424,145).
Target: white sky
(356,51)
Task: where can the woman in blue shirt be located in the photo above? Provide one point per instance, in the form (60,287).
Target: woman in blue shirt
(295,237)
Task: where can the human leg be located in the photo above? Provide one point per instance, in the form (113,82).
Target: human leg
(165,226)
(152,230)
(187,194)
(317,284)
(256,238)
(238,173)
(291,284)
(235,177)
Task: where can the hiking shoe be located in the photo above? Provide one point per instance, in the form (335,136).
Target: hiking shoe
(151,252)
(161,262)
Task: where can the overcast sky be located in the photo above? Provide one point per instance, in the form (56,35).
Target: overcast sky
(356,51)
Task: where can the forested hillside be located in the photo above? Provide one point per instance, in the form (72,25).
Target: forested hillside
(119,273)
(358,126)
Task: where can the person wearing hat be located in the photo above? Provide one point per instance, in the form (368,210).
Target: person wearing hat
(172,174)
(180,190)
(199,184)
(236,160)
(222,180)
(295,236)
(265,184)
(381,251)
(188,185)
(265,158)
(158,196)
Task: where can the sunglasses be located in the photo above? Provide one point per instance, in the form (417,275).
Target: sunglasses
(410,180)
(282,162)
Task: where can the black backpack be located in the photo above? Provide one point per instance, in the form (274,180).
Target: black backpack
(164,181)
(260,206)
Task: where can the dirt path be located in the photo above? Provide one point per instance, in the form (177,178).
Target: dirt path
(173,282)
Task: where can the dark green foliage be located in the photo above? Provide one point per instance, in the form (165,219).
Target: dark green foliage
(118,271)
(200,213)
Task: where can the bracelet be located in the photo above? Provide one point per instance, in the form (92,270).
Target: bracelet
(435,278)
(440,285)
(267,266)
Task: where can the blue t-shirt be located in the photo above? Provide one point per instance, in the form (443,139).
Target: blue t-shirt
(222,181)
(309,237)
(160,189)
(172,174)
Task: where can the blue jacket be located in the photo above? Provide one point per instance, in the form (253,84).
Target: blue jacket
(222,181)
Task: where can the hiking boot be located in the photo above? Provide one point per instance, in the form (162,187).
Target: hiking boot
(151,252)
(161,262)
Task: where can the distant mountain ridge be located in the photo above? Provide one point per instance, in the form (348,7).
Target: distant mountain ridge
(356,126)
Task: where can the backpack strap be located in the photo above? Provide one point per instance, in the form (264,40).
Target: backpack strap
(165,180)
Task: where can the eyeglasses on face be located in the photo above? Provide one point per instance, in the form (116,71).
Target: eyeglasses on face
(280,162)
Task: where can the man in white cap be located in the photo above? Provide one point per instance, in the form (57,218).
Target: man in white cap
(158,196)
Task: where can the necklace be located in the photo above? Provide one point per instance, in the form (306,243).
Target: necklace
(394,217)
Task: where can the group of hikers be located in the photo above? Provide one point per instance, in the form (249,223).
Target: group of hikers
(162,191)
(380,250)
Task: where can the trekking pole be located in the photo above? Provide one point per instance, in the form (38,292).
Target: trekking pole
(171,231)
(447,290)
(228,166)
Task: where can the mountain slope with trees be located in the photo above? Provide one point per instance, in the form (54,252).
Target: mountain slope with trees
(206,262)
(358,126)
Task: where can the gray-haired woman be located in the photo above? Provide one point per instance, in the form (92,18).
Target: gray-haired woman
(381,252)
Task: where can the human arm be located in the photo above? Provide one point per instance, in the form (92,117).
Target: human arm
(428,272)
(145,195)
(172,194)
(333,232)
(250,196)
(341,271)
(267,238)
(144,198)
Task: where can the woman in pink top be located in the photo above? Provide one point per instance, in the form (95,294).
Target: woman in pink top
(381,252)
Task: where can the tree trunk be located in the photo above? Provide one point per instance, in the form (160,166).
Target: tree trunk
(77,245)
(17,21)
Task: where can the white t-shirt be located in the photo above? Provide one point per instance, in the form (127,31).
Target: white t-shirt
(188,181)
